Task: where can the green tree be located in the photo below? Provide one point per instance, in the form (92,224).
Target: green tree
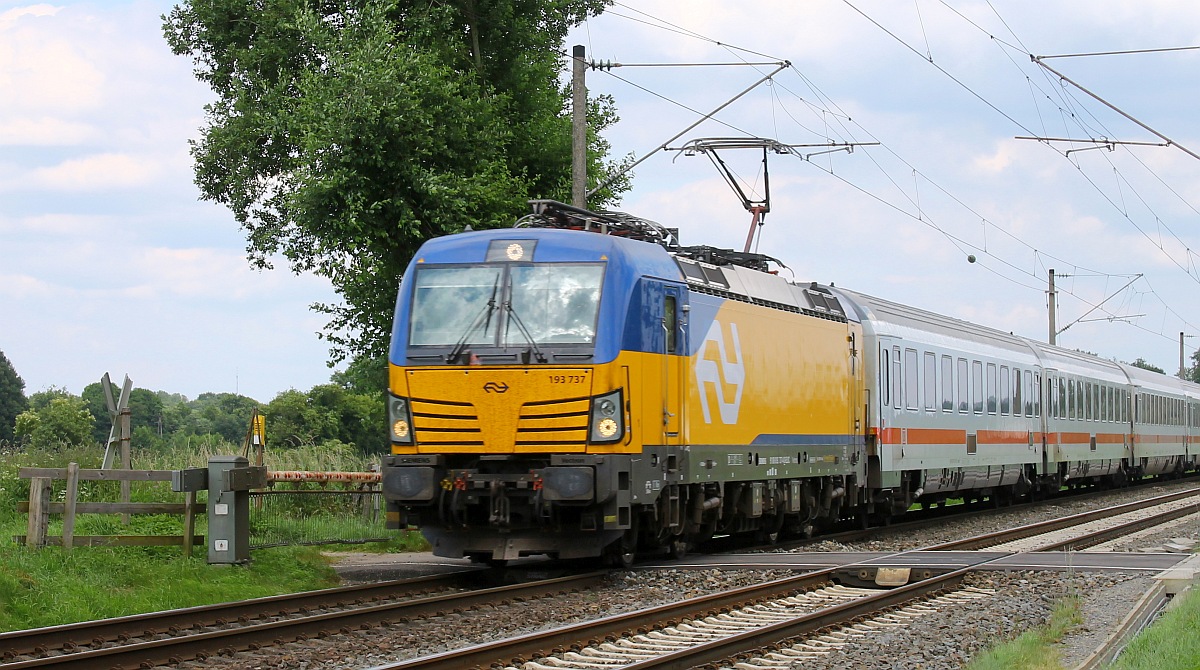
(1143,364)
(366,375)
(63,420)
(347,132)
(145,409)
(327,413)
(12,397)
(224,414)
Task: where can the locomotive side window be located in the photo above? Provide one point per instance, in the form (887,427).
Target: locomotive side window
(670,322)
(931,387)
(977,387)
(964,398)
(947,384)
(991,388)
(912,387)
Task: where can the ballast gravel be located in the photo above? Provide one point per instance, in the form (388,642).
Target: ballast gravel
(942,641)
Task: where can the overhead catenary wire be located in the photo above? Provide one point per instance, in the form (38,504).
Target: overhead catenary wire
(828,114)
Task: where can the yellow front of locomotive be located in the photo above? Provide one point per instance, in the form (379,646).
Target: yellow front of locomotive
(509,395)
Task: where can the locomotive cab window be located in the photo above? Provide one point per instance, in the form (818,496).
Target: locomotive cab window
(506,305)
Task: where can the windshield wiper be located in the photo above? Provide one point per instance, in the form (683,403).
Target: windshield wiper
(484,319)
(533,347)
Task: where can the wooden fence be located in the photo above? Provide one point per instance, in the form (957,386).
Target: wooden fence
(40,508)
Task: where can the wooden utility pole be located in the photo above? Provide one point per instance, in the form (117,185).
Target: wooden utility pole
(578,128)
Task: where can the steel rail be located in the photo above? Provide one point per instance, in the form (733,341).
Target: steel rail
(1021,532)
(74,635)
(1106,534)
(519,649)
(543,643)
(776,635)
(253,636)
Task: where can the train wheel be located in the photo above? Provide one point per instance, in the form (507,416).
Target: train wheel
(622,552)
(677,549)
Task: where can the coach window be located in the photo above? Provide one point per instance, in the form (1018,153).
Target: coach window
(977,387)
(1016,392)
(931,387)
(885,370)
(1079,399)
(991,388)
(1005,390)
(1029,391)
(1087,401)
(1070,398)
(912,387)
(897,387)
(964,394)
(947,384)
(1036,394)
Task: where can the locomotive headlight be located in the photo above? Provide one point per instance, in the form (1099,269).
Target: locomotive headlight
(400,419)
(607,428)
(608,424)
(400,430)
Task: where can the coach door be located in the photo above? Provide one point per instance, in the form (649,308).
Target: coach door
(674,361)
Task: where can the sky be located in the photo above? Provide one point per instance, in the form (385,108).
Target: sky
(109,262)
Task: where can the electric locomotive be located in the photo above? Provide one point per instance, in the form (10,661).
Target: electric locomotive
(581,385)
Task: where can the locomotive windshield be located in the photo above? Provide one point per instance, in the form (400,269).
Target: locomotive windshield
(507,305)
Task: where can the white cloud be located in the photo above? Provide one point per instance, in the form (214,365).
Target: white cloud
(44,131)
(95,173)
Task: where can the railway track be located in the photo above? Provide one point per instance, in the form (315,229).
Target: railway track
(196,633)
(922,519)
(756,620)
(776,624)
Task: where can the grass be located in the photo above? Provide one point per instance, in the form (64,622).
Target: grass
(51,586)
(1035,648)
(1171,643)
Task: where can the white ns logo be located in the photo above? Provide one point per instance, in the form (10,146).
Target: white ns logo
(730,373)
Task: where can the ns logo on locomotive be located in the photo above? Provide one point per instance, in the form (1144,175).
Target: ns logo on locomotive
(582,386)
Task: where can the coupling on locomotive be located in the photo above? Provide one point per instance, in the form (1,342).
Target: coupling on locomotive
(580,385)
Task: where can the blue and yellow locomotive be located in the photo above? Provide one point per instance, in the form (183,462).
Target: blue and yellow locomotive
(580,385)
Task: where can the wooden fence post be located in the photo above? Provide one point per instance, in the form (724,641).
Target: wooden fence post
(189,522)
(39,512)
(68,533)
